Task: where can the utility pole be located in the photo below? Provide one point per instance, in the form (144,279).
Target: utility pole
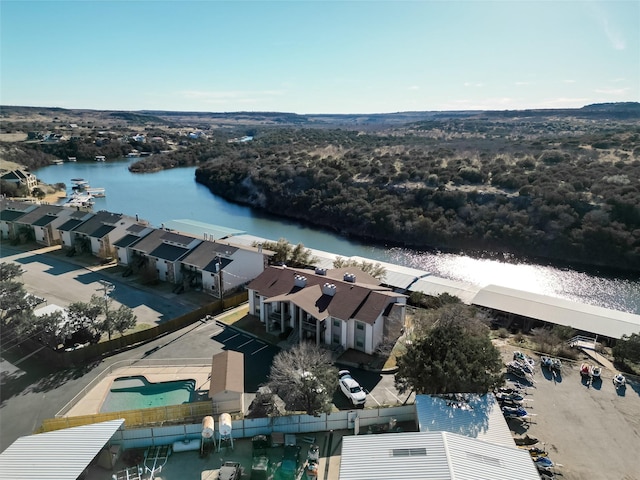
(107,288)
(219,267)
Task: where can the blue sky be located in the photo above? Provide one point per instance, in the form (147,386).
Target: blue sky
(318,56)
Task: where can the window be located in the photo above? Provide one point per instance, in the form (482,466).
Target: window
(336,323)
(359,344)
(359,326)
(335,339)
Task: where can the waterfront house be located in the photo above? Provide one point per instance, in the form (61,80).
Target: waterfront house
(44,222)
(123,245)
(10,211)
(97,232)
(339,307)
(161,250)
(218,267)
(77,218)
(21,177)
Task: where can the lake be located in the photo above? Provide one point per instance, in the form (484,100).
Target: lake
(174,194)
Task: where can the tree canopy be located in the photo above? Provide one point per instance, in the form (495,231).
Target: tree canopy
(374,269)
(304,378)
(287,254)
(628,348)
(453,355)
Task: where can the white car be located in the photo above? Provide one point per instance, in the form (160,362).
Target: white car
(351,388)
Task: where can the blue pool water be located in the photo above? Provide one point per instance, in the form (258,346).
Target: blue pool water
(133,393)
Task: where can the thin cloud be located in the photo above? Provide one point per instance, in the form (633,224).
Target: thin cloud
(613,35)
(615,38)
(227,94)
(612,91)
(473,84)
(414,87)
(560,102)
(569,81)
(522,83)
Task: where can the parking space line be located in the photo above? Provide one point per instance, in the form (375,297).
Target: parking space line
(374,399)
(245,343)
(265,346)
(393,394)
(231,337)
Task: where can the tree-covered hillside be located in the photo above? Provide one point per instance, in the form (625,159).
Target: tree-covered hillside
(555,189)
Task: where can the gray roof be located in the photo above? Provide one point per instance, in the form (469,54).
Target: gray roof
(435,286)
(44,220)
(469,414)
(92,226)
(204,230)
(42,211)
(70,225)
(10,215)
(101,231)
(589,318)
(157,237)
(58,455)
(168,252)
(126,241)
(204,255)
(431,455)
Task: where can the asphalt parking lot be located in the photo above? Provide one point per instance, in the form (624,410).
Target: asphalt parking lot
(593,431)
(31,391)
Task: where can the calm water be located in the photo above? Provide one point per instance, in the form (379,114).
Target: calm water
(134,393)
(174,194)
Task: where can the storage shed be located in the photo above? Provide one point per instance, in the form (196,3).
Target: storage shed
(226,389)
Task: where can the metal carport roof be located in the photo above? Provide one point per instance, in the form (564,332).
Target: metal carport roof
(589,318)
(58,455)
(468,414)
(435,286)
(431,455)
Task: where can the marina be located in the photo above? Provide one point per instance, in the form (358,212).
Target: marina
(82,194)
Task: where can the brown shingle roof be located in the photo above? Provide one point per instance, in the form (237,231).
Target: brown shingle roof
(351,300)
(227,373)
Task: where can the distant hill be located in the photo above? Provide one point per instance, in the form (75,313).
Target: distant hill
(613,111)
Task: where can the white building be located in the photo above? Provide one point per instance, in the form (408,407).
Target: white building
(340,307)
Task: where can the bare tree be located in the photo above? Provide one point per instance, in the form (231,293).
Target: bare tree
(305,378)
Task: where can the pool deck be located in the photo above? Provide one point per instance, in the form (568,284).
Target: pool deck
(93,400)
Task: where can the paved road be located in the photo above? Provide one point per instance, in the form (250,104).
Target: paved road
(31,391)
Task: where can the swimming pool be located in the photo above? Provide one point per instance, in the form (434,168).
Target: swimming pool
(136,392)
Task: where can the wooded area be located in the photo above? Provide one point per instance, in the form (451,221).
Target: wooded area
(559,186)
(552,189)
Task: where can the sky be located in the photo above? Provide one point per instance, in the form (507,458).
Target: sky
(313,57)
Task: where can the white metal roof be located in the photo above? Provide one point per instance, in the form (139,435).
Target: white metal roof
(436,286)
(58,455)
(589,318)
(201,229)
(431,455)
(471,415)
(397,276)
